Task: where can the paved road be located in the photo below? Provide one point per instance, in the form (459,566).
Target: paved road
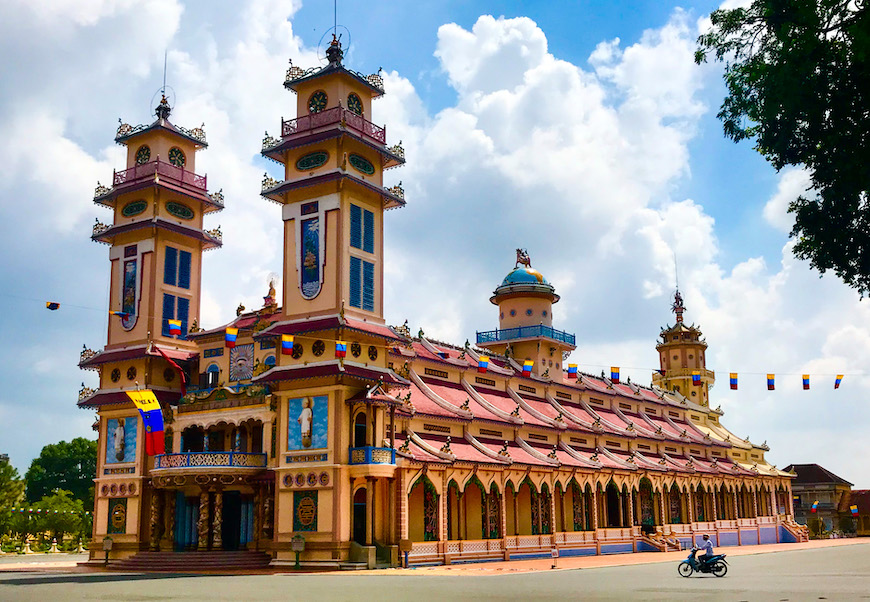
(840,573)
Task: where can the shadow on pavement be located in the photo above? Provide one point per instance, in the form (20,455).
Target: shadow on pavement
(44,579)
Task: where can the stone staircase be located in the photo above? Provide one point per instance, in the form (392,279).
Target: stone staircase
(193,562)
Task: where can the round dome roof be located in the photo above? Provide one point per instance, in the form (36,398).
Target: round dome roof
(524,275)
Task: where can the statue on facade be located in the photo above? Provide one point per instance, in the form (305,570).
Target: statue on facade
(523,258)
(269,299)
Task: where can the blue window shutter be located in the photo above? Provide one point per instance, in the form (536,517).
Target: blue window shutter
(170,266)
(184,269)
(355,292)
(368,292)
(181,314)
(168,312)
(355,227)
(368,231)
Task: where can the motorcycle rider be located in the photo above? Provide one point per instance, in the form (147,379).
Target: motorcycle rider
(707,548)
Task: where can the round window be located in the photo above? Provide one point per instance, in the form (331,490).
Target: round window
(318,348)
(131,373)
(513,312)
(297,350)
(176,156)
(354,104)
(143,154)
(544,313)
(501,315)
(317,102)
(528,312)
(373,353)
(116,375)
(355,349)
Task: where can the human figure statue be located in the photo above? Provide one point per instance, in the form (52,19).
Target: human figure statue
(304,421)
(120,442)
(523,258)
(269,299)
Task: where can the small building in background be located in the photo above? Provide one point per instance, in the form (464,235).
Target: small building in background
(817,484)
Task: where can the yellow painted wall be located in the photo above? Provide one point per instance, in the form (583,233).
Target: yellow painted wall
(524,509)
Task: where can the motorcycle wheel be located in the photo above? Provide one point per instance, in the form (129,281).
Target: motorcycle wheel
(685,569)
(719,569)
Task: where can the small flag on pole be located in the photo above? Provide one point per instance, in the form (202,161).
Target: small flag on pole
(174,328)
(815,506)
(770,383)
(121,314)
(614,373)
(52,305)
(806,380)
(152,420)
(286,344)
(340,349)
(733,381)
(230,337)
(854,509)
(572,370)
(527,367)
(696,378)
(482,363)
(838,381)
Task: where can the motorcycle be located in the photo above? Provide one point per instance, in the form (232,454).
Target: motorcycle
(716,565)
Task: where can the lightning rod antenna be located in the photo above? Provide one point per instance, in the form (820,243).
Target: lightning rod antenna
(165,54)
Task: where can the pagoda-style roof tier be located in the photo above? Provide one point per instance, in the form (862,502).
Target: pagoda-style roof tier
(342,371)
(297,75)
(331,322)
(91,360)
(489,337)
(210,239)
(159,173)
(296,135)
(111,397)
(273,190)
(127,132)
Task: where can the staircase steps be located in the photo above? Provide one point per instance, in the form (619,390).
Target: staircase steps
(184,562)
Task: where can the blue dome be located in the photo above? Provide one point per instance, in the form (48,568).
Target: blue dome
(524,276)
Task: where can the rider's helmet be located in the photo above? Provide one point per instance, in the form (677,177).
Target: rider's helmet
(706,537)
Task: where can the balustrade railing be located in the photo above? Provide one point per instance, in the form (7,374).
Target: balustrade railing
(160,168)
(372,455)
(507,334)
(210,460)
(334,116)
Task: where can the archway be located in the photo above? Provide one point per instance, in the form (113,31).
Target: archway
(453,499)
(647,512)
(510,503)
(545,501)
(423,511)
(359,516)
(675,505)
(612,505)
(700,505)
(527,515)
(492,517)
(474,508)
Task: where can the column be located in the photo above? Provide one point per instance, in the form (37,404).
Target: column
(774,511)
(267,438)
(715,515)
(553,511)
(736,505)
(503,513)
(391,508)
(370,514)
(370,432)
(594,509)
(155,522)
(631,508)
(662,506)
(258,515)
(755,503)
(621,498)
(217,521)
(691,509)
(443,500)
(176,440)
(170,517)
(516,514)
(202,524)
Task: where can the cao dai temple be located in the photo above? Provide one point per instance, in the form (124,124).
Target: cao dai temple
(323,428)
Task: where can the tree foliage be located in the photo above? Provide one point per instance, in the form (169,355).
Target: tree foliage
(67,466)
(11,492)
(60,514)
(798,79)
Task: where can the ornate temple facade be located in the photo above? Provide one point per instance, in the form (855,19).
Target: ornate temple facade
(324,427)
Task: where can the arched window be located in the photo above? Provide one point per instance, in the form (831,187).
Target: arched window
(270,361)
(212,376)
(359,430)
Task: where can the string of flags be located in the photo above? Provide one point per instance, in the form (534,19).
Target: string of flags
(482,364)
(733,380)
(230,337)
(46,511)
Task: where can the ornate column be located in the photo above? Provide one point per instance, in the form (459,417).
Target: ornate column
(370,514)
(631,516)
(755,503)
(715,514)
(155,522)
(594,509)
(460,511)
(443,500)
(202,523)
(258,514)
(217,521)
(170,517)
(553,511)
(774,511)
(516,514)
(690,514)
(503,512)
(662,507)
(736,505)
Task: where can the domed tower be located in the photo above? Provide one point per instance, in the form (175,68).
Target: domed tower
(681,358)
(525,327)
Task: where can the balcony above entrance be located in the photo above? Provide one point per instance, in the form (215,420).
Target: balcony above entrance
(191,462)
(372,461)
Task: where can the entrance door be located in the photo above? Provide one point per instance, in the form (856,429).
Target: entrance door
(232,520)
(359,516)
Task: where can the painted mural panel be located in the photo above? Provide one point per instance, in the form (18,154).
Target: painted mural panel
(241,362)
(117,516)
(121,439)
(310,257)
(308,422)
(128,299)
(305,511)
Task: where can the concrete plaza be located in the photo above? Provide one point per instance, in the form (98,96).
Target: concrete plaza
(837,570)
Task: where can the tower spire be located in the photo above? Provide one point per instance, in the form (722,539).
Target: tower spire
(678,307)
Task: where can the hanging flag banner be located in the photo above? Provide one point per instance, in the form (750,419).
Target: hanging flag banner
(838,381)
(182,375)
(614,373)
(52,305)
(806,381)
(854,509)
(572,370)
(174,328)
(482,363)
(152,420)
(527,367)
(733,381)
(770,383)
(286,344)
(230,337)
(696,378)
(340,349)
(815,506)
(121,314)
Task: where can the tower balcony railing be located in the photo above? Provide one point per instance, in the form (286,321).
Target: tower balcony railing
(333,116)
(160,168)
(214,459)
(525,332)
(372,455)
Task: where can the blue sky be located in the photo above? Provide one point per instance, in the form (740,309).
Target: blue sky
(580,130)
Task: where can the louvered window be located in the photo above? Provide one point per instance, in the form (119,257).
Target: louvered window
(362,284)
(176,268)
(362,229)
(175,308)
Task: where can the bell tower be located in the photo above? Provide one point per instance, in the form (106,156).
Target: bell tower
(682,359)
(332,196)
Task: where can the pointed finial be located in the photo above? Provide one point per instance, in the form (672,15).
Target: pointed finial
(163,109)
(678,307)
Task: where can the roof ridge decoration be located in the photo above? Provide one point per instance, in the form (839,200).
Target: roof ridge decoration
(503,457)
(528,408)
(615,458)
(428,392)
(488,406)
(576,455)
(535,453)
(597,424)
(419,442)
(563,411)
